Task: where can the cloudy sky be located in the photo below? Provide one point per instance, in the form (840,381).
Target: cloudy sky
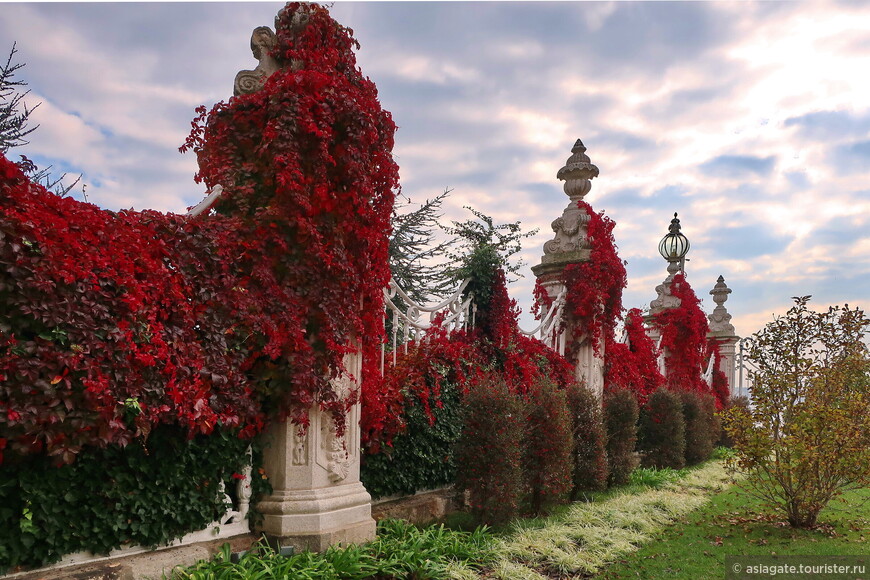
(752,120)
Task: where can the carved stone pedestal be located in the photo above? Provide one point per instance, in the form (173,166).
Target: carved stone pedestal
(317,497)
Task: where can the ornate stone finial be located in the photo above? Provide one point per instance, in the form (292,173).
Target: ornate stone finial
(720,320)
(577,172)
(263,41)
(571,243)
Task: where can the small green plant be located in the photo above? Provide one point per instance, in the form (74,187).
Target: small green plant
(655,478)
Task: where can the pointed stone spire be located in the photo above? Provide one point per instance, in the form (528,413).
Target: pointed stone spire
(720,320)
(571,243)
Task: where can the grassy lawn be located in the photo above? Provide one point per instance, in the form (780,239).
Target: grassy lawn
(734,523)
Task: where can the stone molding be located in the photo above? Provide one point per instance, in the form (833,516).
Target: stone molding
(571,242)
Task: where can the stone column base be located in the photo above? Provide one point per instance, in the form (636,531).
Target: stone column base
(314,519)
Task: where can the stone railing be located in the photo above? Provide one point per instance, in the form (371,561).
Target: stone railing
(550,330)
(411,320)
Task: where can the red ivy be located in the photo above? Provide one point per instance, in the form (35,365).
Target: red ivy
(462,358)
(594,287)
(684,339)
(114,322)
(720,386)
(633,366)
(306,165)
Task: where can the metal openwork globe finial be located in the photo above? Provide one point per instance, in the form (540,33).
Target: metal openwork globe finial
(674,246)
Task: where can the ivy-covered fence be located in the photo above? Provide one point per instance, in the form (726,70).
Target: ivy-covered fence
(420,415)
(142,353)
(138,336)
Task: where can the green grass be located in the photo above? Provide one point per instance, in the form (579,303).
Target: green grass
(585,537)
(733,523)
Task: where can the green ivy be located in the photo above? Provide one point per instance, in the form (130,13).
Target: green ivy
(147,494)
(422,456)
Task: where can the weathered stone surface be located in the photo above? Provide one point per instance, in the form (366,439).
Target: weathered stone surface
(142,566)
(571,243)
(420,508)
(317,496)
(720,319)
(723,331)
(263,40)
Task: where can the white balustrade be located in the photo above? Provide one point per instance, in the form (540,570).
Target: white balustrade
(411,322)
(550,330)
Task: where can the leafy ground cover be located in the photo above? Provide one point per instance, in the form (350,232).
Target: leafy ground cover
(401,550)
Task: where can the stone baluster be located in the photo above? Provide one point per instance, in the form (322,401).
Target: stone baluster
(243,487)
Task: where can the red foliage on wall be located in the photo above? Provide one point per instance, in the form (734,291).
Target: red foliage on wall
(114,322)
(595,286)
(684,339)
(463,358)
(633,366)
(720,387)
(306,165)
(109,325)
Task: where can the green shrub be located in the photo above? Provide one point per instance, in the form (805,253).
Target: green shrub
(726,440)
(590,440)
(662,431)
(422,456)
(489,451)
(700,424)
(620,418)
(140,494)
(548,445)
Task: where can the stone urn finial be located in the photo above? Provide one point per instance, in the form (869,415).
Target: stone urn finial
(720,319)
(577,172)
(571,243)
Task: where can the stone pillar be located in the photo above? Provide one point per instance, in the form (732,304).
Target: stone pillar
(317,498)
(569,246)
(722,330)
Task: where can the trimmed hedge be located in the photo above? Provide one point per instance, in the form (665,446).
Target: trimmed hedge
(547,446)
(489,454)
(590,440)
(620,419)
(700,423)
(662,431)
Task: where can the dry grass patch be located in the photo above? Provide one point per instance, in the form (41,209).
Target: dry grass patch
(588,535)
